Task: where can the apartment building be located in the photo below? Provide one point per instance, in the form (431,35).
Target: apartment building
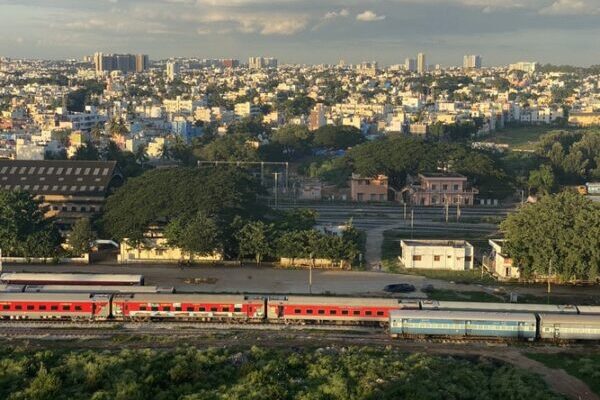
(454,255)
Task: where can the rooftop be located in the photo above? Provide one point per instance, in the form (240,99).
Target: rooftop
(452,175)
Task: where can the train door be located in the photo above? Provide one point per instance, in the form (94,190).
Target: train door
(556,332)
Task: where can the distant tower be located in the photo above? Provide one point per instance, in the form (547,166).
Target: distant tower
(173,69)
(421,63)
(410,64)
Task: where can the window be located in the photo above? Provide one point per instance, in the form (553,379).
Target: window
(30,307)
(5,307)
(213,309)
(445,187)
(416,258)
(433,187)
(42,307)
(237,309)
(321,312)
(54,308)
(359,196)
(309,311)
(436,258)
(18,307)
(297,311)
(225,309)
(143,308)
(177,308)
(356,312)
(77,308)
(166,308)
(467,258)
(154,308)
(380,313)
(344,312)
(332,312)
(189,309)
(202,309)
(66,308)
(456,188)
(368,313)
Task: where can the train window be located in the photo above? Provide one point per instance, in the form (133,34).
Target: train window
(30,307)
(6,307)
(77,308)
(66,308)
(297,311)
(53,308)
(143,308)
(154,308)
(190,309)
(344,312)
(225,309)
(177,308)
(368,312)
(18,307)
(237,309)
(309,311)
(321,312)
(42,307)
(201,309)
(166,308)
(332,312)
(356,312)
(213,309)
(380,313)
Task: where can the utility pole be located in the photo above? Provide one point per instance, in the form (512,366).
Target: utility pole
(310,273)
(276,186)
(447,209)
(405,211)
(458,208)
(412,222)
(549,274)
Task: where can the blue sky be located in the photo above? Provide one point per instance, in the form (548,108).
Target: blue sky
(307,31)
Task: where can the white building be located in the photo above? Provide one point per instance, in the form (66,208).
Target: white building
(246,109)
(455,255)
(472,62)
(421,63)
(524,66)
(173,69)
(500,264)
(29,150)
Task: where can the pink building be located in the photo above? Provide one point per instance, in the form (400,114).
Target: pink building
(439,188)
(369,189)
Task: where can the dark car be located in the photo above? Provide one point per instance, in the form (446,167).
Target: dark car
(399,288)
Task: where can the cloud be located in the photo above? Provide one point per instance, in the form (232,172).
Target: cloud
(572,7)
(369,16)
(335,14)
(264,24)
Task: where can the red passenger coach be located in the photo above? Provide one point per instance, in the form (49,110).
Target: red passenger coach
(355,310)
(188,307)
(54,306)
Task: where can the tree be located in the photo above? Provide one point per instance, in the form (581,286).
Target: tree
(562,229)
(337,137)
(254,239)
(294,139)
(198,235)
(23,229)
(141,154)
(542,180)
(87,152)
(117,127)
(290,245)
(229,148)
(81,236)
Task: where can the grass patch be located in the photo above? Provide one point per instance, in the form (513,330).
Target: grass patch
(520,138)
(586,368)
(453,295)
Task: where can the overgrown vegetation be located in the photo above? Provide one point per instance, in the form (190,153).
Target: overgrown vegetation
(585,367)
(257,373)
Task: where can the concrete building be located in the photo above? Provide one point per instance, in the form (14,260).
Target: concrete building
(584,119)
(317,117)
(439,188)
(310,190)
(499,263)
(421,63)
(454,255)
(181,106)
(246,109)
(472,62)
(126,63)
(26,150)
(410,64)
(524,66)
(365,189)
(173,69)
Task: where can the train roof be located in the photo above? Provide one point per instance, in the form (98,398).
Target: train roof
(589,309)
(569,319)
(11,288)
(59,297)
(465,305)
(75,277)
(462,315)
(182,298)
(341,301)
(95,289)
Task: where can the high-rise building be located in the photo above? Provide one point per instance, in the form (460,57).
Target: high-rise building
(472,62)
(317,117)
(262,62)
(410,64)
(230,63)
(421,63)
(525,66)
(173,69)
(125,63)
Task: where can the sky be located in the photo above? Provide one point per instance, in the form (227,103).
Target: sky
(307,31)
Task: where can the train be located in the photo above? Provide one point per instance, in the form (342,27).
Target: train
(403,318)
(50,278)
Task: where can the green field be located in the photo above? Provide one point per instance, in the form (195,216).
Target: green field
(331,373)
(586,368)
(520,138)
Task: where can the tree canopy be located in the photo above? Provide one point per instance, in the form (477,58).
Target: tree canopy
(562,230)
(337,137)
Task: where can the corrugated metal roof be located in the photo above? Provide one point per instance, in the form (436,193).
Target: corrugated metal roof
(463,315)
(59,177)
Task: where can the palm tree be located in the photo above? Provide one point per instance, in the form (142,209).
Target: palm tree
(165,152)
(117,127)
(141,156)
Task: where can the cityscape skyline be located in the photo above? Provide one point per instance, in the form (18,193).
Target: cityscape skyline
(548,31)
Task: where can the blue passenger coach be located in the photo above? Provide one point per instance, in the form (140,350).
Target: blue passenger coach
(463,324)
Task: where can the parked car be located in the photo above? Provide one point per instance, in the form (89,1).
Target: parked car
(399,288)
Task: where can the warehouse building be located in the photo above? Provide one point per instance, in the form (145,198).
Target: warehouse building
(454,255)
